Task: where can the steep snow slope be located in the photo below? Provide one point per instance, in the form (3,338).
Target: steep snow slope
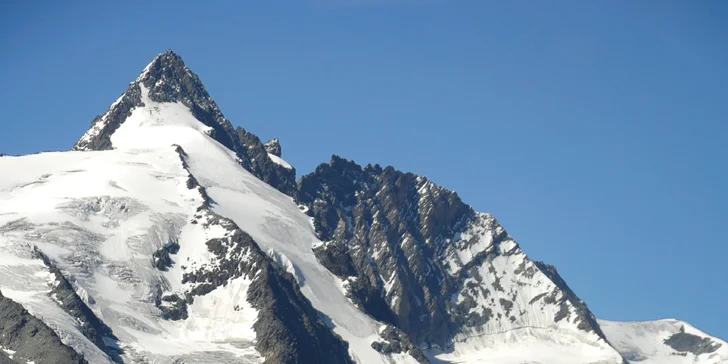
(100,216)
(664,342)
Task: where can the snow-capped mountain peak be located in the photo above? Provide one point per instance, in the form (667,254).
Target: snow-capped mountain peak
(167,83)
(166,79)
(169,236)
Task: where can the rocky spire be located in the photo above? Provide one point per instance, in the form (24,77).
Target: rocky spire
(415,256)
(165,79)
(273,146)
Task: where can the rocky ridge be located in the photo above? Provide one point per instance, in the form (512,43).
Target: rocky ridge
(417,257)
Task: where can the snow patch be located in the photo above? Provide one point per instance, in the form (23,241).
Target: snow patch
(279,161)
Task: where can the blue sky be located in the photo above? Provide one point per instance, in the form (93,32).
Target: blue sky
(594,130)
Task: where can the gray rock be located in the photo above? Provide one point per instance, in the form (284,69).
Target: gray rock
(585,318)
(396,341)
(161,258)
(684,342)
(173,306)
(30,338)
(90,326)
(273,146)
(283,179)
(378,227)
(386,227)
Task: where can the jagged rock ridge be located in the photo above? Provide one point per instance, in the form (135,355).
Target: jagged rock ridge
(414,255)
(273,146)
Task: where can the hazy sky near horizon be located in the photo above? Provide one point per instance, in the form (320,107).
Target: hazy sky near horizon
(595,131)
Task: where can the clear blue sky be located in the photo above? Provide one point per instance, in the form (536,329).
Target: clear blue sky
(594,130)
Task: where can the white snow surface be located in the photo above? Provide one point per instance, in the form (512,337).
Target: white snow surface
(644,342)
(279,161)
(100,216)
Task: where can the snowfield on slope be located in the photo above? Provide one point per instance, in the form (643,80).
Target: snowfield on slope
(647,342)
(100,216)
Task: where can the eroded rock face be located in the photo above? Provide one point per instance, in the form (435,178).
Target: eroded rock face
(684,342)
(273,146)
(395,342)
(30,338)
(412,254)
(282,178)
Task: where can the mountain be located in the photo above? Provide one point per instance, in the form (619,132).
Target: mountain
(166,235)
(665,342)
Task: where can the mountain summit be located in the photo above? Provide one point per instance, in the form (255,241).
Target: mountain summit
(168,236)
(167,80)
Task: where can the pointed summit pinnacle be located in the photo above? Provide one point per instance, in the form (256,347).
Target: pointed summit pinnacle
(169,80)
(165,79)
(273,146)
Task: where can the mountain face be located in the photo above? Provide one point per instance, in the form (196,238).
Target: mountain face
(168,236)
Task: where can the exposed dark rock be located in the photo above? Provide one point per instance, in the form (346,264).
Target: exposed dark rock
(684,342)
(161,258)
(30,338)
(288,329)
(389,235)
(273,146)
(90,326)
(173,306)
(507,305)
(337,259)
(105,125)
(282,178)
(585,318)
(379,229)
(397,341)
